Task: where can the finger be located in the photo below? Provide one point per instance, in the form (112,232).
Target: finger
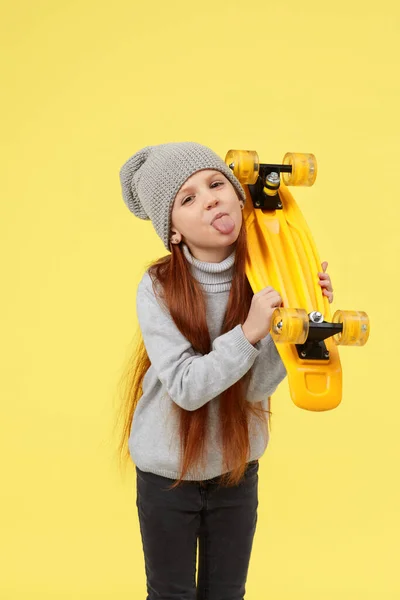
(329,295)
(326,284)
(266,290)
(324,265)
(275,298)
(271,294)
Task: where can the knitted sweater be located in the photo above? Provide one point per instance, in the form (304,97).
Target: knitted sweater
(179,374)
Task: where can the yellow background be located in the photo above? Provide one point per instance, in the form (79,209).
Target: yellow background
(85,85)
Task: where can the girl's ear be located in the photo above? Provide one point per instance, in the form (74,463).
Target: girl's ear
(175,237)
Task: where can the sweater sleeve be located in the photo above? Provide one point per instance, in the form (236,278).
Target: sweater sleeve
(267,371)
(190,378)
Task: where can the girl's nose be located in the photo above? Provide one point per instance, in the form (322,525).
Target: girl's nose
(211,201)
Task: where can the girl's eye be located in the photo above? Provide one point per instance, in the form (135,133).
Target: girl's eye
(212,185)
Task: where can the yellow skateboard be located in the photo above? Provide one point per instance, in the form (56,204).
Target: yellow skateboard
(283,254)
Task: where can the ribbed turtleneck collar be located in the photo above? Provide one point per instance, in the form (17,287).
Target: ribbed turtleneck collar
(214,277)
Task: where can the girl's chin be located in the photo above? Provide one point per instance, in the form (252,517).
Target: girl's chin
(226,239)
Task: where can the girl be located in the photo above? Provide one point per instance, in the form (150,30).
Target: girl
(198,388)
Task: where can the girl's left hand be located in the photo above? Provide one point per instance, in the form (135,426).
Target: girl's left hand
(325,282)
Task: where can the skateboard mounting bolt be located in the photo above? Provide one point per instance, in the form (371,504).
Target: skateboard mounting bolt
(273,177)
(326,354)
(303,354)
(363,327)
(316,317)
(232,165)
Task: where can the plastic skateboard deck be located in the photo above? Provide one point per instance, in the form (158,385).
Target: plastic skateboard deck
(283,254)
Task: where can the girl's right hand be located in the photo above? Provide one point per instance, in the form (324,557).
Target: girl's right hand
(258,322)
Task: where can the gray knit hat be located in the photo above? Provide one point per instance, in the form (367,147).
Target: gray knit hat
(152,177)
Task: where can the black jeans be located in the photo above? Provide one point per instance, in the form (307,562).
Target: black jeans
(171,521)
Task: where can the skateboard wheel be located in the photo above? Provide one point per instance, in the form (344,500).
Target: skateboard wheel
(304,169)
(355,328)
(289,325)
(245,165)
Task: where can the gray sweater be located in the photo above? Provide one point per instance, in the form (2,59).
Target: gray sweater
(180,374)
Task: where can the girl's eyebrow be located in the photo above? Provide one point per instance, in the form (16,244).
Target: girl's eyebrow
(188,188)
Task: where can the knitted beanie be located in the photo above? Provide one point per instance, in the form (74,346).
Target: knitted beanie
(152,177)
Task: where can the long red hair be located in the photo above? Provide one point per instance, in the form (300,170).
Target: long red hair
(180,292)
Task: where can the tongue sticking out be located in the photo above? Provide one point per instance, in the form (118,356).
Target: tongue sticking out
(224,224)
